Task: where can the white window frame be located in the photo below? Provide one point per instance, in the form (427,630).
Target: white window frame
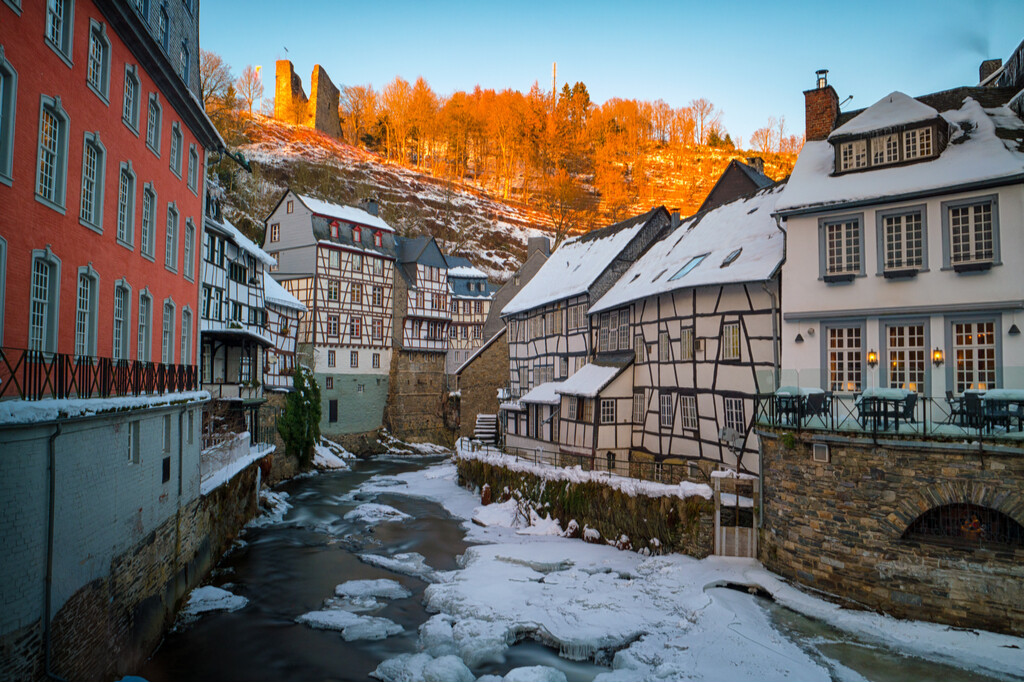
(841,248)
(853,155)
(902,240)
(147,233)
(332,325)
(907,362)
(44,302)
(731,348)
(735,417)
(8,113)
(186,336)
(177,143)
(978,255)
(686,346)
(167,333)
(59,29)
(193,169)
(688,411)
(144,332)
(86,311)
(188,251)
(918,143)
(131,102)
(353,359)
(639,407)
(663,347)
(331,358)
(665,410)
(97,72)
(126,184)
(843,366)
(171,238)
(376,361)
(154,123)
(52,155)
(974,365)
(121,320)
(90,212)
(607,411)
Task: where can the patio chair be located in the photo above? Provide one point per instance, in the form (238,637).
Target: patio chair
(973,412)
(907,414)
(815,405)
(956,408)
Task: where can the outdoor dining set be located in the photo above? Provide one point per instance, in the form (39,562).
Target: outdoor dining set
(884,408)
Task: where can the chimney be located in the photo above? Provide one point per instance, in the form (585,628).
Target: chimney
(757,163)
(369,205)
(821,107)
(988,67)
(541,244)
(675,220)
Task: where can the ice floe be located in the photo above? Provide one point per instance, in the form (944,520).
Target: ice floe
(352,626)
(374,513)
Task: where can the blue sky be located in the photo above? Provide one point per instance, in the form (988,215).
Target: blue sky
(751,59)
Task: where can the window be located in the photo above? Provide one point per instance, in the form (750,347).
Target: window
(974,349)
(353,359)
(663,347)
(355,328)
(122,311)
(574,408)
(175,153)
(853,155)
(902,241)
(357,234)
(193,168)
(639,349)
(357,263)
(332,326)
(376,360)
(134,443)
(132,93)
(665,406)
(357,294)
(378,328)
(144,345)
(98,71)
(126,205)
(639,408)
(275,232)
(478,332)
(885,149)
(734,418)
(184,61)
(8,91)
(329,382)
(332,410)
(189,260)
(686,343)
(845,354)
(171,246)
(970,239)
(478,307)
(333,259)
(44,301)
(378,266)
(733,255)
(236,311)
(917,143)
(167,339)
(60,26)
(330,359)
(93,174)
(377,241)
(191,429)
(607,411)
(333,286)
(688,411)
(165,434)
(613,331)
(524,380)
(52,167)
(588,409)
(455,305)
(86,312)
(186,337)
(218,304)
(840,248)
(162,33)
(731,341)
(690,265)
(907,356)
(154,117)
(290,207)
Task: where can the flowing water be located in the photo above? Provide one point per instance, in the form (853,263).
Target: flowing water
(288,569)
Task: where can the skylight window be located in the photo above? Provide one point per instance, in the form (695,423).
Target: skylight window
(691,264)
(733,255)
(659,275)
(752,210)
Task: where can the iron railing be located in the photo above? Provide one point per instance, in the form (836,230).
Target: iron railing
(953,417)
(35,375)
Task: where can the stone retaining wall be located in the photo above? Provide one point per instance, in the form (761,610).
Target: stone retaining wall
(838,527)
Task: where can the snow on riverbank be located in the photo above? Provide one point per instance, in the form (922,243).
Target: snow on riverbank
(650,618)
(328,455)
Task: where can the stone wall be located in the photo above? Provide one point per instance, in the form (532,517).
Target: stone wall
(323,103)
(479,383)
(318,111)
(679,525)
(417,397)
(290,101)
(282,465)
(838,527)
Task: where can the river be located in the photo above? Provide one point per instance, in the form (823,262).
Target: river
(290,568)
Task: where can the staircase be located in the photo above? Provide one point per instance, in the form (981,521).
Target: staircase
(486,429)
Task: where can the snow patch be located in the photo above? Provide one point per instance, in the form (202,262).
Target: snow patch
(352,626)
(372,588)
(212,599)
(412,564)
(374,513)
(275,505)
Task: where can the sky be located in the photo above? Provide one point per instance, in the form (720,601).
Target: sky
(752,60)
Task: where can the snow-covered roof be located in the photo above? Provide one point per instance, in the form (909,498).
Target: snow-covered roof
(274,293)
(546,393)
(589,380)
(349,214)
(744,224)
(45,410)
(243,242)
(466,271)
(975,155)
(574,266)
(480,350)
(895,109)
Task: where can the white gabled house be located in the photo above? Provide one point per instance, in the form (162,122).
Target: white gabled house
(904,225)
(284,314)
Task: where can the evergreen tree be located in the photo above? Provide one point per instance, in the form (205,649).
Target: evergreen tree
(300,424)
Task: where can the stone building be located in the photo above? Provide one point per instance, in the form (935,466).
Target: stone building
(318,111)
(472,296)
(481,379)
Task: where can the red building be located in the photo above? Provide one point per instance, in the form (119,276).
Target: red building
(103,149)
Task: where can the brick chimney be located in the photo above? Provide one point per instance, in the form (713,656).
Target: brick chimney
(988,67)
(821,107)
(757,163)
(369,205)
(541,244)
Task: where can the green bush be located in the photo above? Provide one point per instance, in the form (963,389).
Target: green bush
(299,426)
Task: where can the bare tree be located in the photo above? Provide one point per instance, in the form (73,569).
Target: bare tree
(214,78)
(706,118)
(567,204)
(250,86)
(358,111)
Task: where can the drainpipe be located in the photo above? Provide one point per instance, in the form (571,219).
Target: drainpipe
(775,334)
(52,457)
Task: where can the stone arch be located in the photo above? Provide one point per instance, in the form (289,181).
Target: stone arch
(919,501)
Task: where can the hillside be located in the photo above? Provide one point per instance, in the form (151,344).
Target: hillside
(465,219)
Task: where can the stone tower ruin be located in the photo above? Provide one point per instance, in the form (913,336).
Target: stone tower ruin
(318,111)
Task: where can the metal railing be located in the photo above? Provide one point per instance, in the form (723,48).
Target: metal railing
(35,375)
(915,415)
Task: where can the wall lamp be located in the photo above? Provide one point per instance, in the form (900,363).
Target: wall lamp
(872,358)
(938,357)
(799,338)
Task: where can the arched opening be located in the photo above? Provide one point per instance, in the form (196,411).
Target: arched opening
(965,524)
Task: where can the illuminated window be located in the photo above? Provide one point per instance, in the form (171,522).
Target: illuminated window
(845,358)
(52,167)
(907,356)
(974,350)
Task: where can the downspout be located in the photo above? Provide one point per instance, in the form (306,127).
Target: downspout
(52,457)
(775,334)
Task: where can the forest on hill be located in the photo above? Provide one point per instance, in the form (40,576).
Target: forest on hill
(576,163)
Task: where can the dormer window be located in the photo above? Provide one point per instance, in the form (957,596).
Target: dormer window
(334,230)
(853,155)
(885,149)
(377,239)
(357,234)
(899,147)
(917,143)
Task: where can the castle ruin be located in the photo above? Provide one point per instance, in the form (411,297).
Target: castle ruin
(318,111)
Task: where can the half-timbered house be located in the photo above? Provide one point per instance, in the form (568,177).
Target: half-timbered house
(471,301)
(339,261)
(699,313)
(284,313)
(548,330)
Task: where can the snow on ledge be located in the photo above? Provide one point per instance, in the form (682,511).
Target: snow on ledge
(576,475)
(211,481)
(50,409)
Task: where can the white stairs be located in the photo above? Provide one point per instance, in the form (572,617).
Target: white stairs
(486,429)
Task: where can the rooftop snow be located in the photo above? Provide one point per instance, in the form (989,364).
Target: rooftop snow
(589,380)
(242,241)
(46,410)
(274,293)
(546,393)
(573,267)
(745,223)
(345,213)
(895,109)
(970,157)
(466,271)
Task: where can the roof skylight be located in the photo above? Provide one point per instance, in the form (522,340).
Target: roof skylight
(690,265)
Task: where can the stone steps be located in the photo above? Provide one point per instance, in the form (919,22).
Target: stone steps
(486,428)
